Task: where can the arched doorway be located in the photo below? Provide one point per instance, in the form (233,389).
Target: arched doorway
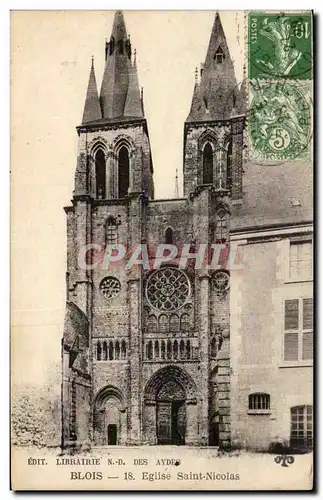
(109,417)
(170,408)
(171,413)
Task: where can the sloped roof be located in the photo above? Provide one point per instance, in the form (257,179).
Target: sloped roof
(92,109)
(218,89)
(115,80)
(133,105)
(276,194)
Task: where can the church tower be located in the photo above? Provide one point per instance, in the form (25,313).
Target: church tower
(113,183)
(213,130)
(146,349)
(213,142)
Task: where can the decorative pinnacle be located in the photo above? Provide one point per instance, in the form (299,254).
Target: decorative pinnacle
(176,185)
(135,57)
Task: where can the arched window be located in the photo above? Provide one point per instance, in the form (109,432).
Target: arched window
(163,349)
(117,350)
(182,349)
(100,174)
(207,164)
(123,172)
(152,323)
(301,434)
(259,401)
(221,229)
(111,350)
(163,323)
(219,56)
(111,231)
(169,236)
(174,323)
(229,165)
(156,349)
(120,45)
(188,349)
(123,350)
(169,349)
(98,351)
(185,322)
(149,350)
(175,349)
(105,351)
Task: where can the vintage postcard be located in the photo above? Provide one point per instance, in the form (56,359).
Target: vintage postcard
(161,239)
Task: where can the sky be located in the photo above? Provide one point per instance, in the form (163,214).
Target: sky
(51,55)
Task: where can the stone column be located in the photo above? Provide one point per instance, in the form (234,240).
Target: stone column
(123,422)
(237,126)
(110,168)
(135,333)
(150,422)
(192,437)
(204,360)
(201,222)
(223,395)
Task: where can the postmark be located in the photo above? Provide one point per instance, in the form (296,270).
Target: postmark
(280,45)
(279,120)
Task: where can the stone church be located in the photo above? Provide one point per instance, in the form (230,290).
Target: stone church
(173,355)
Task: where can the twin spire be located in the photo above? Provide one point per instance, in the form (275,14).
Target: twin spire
(120,94)
(217,95)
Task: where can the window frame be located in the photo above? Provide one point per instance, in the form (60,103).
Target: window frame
(306,419)
(259,411)
(300,331)
(298,241)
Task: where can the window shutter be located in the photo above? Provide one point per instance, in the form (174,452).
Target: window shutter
(291,346)
(307,314)
(291,314)
(307,345)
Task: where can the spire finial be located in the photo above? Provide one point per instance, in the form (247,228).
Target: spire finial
(176,185)
(196,74)
(92,63)
(135,57)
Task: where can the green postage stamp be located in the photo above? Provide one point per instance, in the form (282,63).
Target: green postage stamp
(280,45)
(280,71)
(279,120)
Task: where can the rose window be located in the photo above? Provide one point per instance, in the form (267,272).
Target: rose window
(168,289)
(110,287)
(221,281)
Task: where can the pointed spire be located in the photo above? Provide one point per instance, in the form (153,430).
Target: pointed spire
(92,110)
(116,74)
(133,106)
(218,86)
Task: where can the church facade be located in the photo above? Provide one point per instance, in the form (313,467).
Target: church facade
(178,353)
